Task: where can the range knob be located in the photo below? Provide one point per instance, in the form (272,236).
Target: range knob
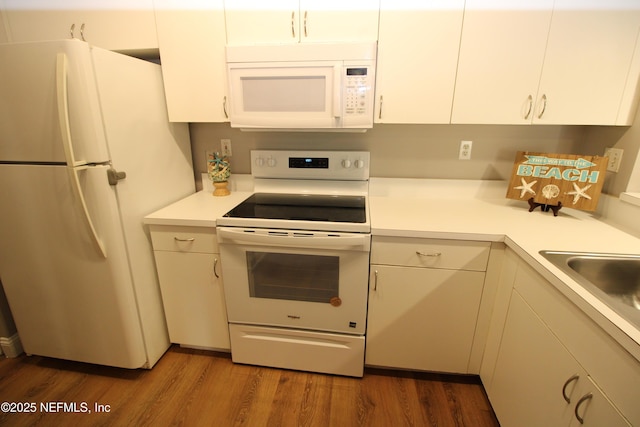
(346,163)
(271,162)
(259,161)
(359,164)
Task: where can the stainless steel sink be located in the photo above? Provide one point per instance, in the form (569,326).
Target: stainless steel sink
(613,278)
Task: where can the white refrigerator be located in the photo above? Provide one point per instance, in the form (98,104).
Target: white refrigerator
(76,262)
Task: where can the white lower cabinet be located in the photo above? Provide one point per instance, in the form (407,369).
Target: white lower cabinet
(537,382)
(554,366)
(189,271)
(424,297)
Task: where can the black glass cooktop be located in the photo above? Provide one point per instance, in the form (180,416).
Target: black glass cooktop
(302,207)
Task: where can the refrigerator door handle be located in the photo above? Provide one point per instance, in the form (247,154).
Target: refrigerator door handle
(77,191)
(73,167)
(62,95)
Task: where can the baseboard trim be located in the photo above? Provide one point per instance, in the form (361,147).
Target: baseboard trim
(11,346)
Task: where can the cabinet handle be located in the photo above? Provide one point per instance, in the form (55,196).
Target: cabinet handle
(82,32)
(305,22)
(433,254)
(530,99)
(178,239)
(224,107)
(380,111)
(293,21)
(544,106)
(375,282)
(566,384)
(583,399)
(215,264)
(73,27)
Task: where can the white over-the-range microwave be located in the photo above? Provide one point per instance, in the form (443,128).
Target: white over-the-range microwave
(322,87)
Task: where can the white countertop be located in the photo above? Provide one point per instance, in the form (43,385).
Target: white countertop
(462,210)
(478,210)
(202,208)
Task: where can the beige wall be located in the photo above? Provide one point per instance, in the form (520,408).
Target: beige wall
(627,138)
(410,151)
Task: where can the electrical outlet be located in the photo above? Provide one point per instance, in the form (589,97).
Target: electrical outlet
(465,150)
(225,147)
(615,158)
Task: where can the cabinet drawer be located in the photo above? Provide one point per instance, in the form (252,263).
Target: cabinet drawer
(433,253)
(184,239)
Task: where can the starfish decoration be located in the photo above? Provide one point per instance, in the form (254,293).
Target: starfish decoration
(579,192)
(217,160)
(525,187)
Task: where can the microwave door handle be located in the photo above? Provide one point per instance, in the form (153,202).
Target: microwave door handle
(337,91)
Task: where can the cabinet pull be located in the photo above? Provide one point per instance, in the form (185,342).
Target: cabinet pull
(583,399)
(433,254)
(375,281)
(380,111)
(82,32)
(530,99)
(215,264)
(73,27)
(566,384)
(305,22)
(178,239)
(293,21)
(544,106)
(224,107)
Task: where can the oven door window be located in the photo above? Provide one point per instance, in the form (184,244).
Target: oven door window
(312,278)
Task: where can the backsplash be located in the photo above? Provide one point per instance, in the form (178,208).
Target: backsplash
(404,151)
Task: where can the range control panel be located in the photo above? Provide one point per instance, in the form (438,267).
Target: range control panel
(325,165)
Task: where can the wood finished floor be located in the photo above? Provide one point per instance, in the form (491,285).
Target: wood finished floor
(199,388)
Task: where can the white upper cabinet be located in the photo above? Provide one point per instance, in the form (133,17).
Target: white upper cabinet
(587,62)
(417,58)
(295,21)
(501,57)
(192,41)
(120,25)
(562,62)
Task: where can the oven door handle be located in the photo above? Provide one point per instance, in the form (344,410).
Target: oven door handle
(294,239)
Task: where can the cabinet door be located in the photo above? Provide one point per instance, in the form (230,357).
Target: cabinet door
(294,21)
(192,42)
(193,299)
(593,409)
(259,22)
(531,372)
(339,20)
(501,56)
(587,61)
(416,75)
(422,318)
(123,25)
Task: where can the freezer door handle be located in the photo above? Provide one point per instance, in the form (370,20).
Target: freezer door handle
(62,95)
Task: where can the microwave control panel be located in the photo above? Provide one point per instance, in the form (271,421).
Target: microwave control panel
(357,90)
(357,103)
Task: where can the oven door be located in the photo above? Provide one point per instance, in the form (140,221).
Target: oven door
(297,279)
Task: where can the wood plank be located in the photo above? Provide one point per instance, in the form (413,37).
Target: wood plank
(195,387)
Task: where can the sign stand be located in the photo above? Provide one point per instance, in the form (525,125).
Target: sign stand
(544,207)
